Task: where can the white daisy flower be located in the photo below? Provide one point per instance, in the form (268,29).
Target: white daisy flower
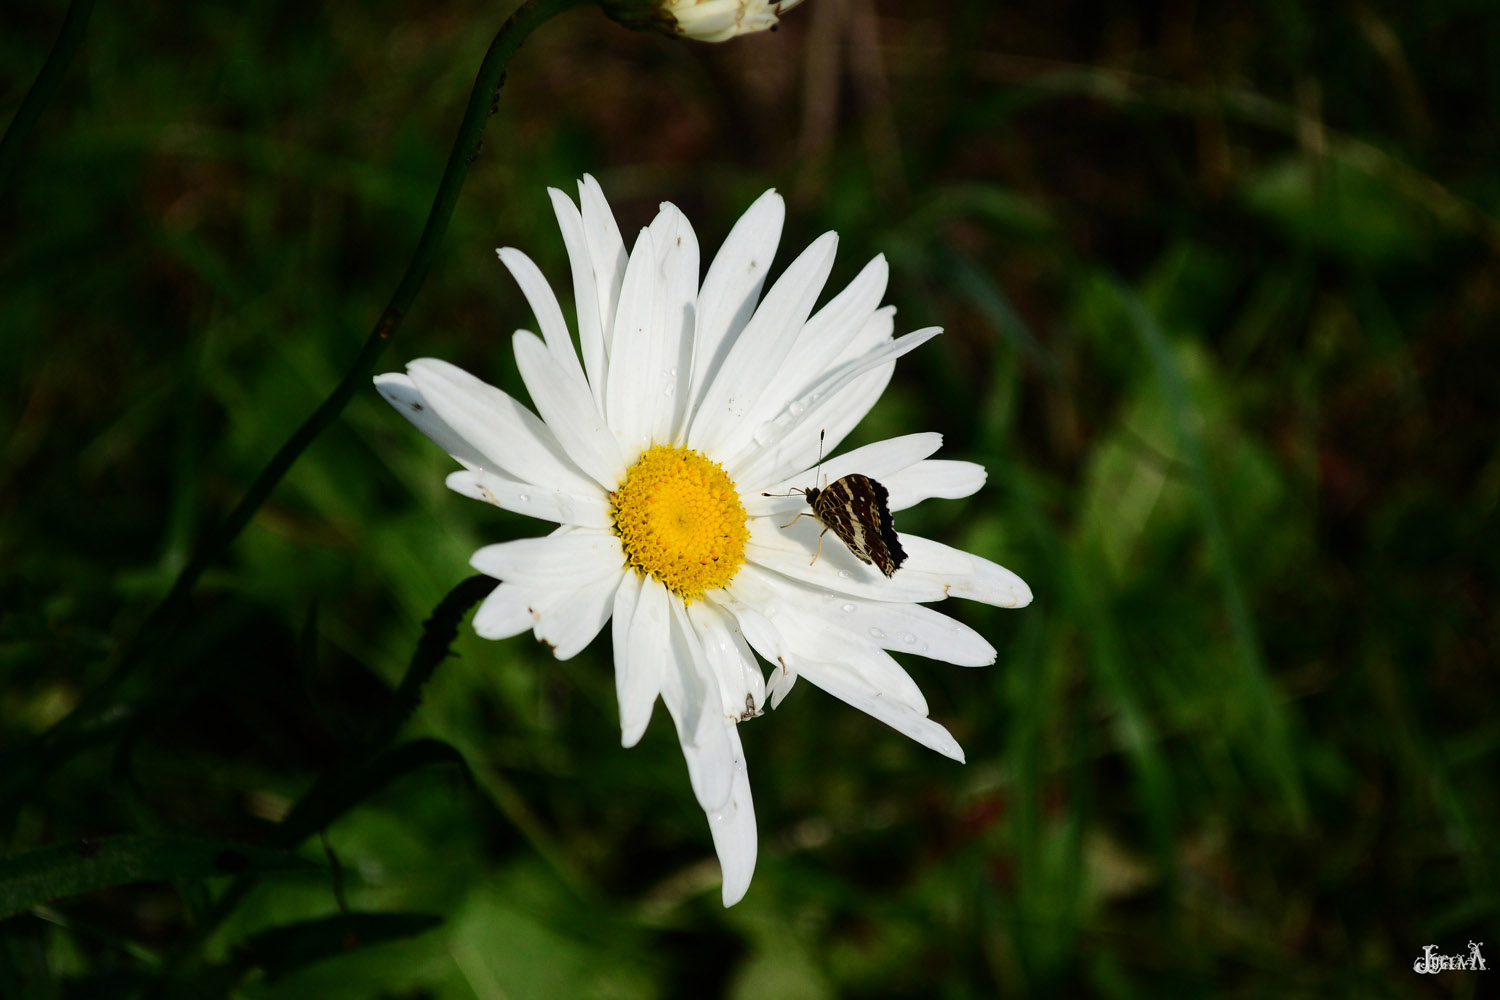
(654,456)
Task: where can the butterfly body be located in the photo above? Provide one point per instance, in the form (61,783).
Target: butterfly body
(857,509)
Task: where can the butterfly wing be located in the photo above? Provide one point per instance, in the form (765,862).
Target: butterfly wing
(857,509)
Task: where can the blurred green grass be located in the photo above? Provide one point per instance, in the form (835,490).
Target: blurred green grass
(1220,298)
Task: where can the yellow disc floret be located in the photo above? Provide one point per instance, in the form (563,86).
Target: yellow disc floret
(680,519)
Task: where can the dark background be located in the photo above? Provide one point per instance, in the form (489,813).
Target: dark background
(1220,288)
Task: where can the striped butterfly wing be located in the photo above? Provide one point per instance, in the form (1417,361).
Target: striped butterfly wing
(857,509)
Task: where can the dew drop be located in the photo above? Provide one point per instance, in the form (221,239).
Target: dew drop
(524,497)
(848,609)
(908,638)
(763,435)
(923,648)
(668,390)
(844,574)
(876,633)
(797,408)
(672,371)
(815,397)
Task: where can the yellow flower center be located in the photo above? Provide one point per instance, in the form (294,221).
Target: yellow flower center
(680,519)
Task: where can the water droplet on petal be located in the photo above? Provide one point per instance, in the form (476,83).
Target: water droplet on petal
(524,497)
(848,609)
(908,638)
(797,408)
(923,648)
(672,371)
(844,574)
(815,397)
(876,633)
(668,390)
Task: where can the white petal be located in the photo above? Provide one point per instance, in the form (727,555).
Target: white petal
(806,418)
(708,20)
(570,624)
(764,638)
(903,627)
(963,574)
(555,562)
(568,408)
(687,682)
(401,392)
(920,631)
(590,510)
(549,314)
(778,447)
(844,684)
(639,666)
(649,378)
(741,684)
(630,686)
(673,321)
(506,612)
(630,412)
(733,825)
(832,329)
(790,550)
(783,678)
(756,355)
(606,250)
(592,317)
(879,329)
(732,286)
(812,631)
(828,422)
(823,339)
(880,461)
(695,709)
(851,681)
(511,438)
(937,478)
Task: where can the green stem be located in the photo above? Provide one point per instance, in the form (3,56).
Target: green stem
(526,19)
(43,89)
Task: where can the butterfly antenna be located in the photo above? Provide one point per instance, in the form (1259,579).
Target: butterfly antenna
(816,472)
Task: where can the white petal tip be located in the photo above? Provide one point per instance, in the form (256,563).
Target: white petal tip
(493,632)
(631,734)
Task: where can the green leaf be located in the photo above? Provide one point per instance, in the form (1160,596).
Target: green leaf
(88,865)
(342,790)
(282,950)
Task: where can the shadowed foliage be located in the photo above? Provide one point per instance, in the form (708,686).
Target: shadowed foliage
(1218,285)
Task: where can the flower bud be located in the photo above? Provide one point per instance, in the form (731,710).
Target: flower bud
(704,20)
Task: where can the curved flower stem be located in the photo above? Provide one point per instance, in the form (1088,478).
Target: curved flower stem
(526,19)
(43,88)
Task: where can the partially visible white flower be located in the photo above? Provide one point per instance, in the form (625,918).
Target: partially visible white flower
(653,456)
(721,20)
(703,20)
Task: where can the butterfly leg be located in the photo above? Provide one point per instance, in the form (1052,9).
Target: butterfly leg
(820,546)
(794,520)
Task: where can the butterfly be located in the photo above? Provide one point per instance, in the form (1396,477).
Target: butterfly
(857,509)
